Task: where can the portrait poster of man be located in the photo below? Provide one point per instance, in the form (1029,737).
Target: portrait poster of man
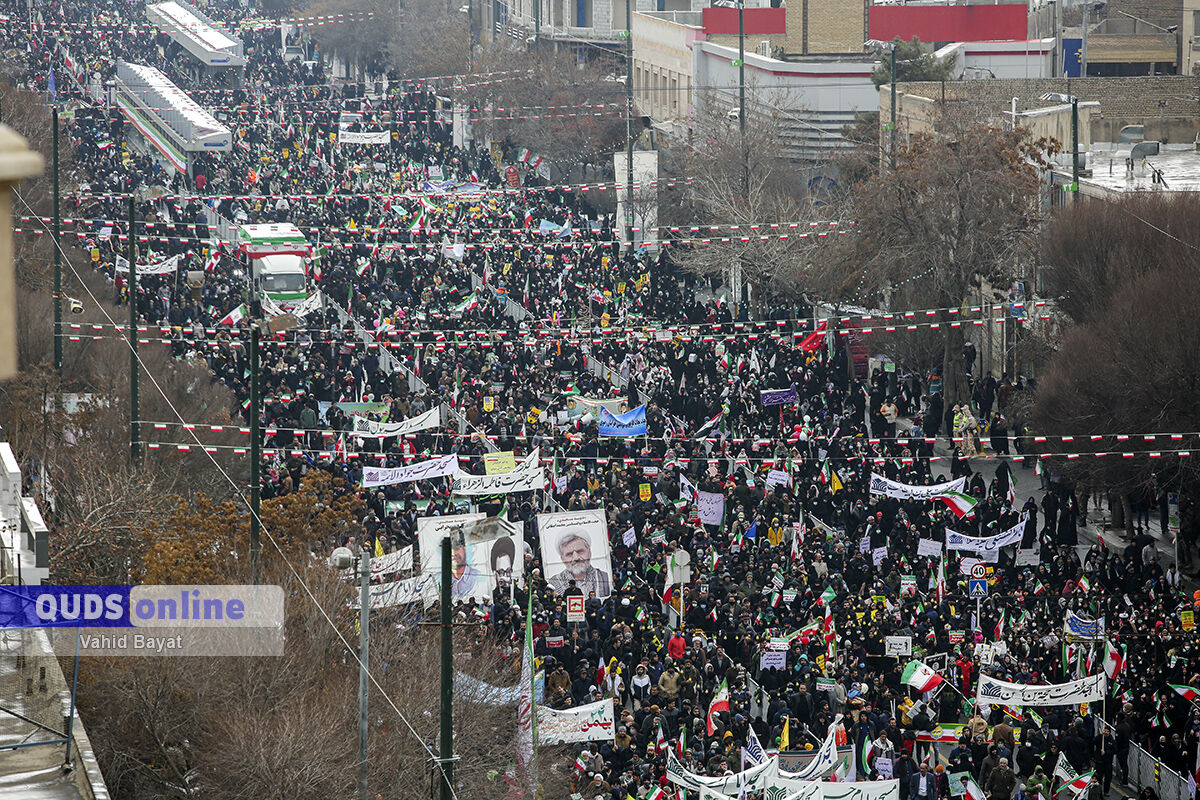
(575,548)
(477,562)
(467,579)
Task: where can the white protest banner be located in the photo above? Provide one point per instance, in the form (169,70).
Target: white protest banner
(711,507)
(897,646)
(527,477)
(630,537)
(161,268)
(785,789)
(909,491)
(438,467)
(369,429)
(967,562)
(778,478)
(825,760)
(473,690)
(1028,557)
(398,593)
(399,561)
(986,544)
(929,547)
(364,137)
(878,555)
(588,723)
(997,692)
(752,779)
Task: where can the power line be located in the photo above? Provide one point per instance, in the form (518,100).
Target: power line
(238,492)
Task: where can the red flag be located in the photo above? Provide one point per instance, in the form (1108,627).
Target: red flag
(814,339)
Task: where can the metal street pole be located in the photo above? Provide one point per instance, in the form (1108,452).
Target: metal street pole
(255,432)
(629,122)
(446,753)
(1083,47)
(1075,146)
(58,345)
(742,98)
(892,141)
(537,26)
(364,649)
(132,285)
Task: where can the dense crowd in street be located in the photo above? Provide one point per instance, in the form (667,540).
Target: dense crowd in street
(805,559)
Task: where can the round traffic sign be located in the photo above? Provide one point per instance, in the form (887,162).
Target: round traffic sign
(978,571)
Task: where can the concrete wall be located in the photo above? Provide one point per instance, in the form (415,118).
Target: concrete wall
(662,63)
(1015,59)
(816,96)
(1123,101)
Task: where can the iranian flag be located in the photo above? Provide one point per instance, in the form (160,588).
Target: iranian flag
(1186,692)
(962,505)
(973,790)
(1114,659)
(661,743)
(524,155)
(235,316)
(418,222)
(1077,785)
(469,302)
(720,702)
(920,676)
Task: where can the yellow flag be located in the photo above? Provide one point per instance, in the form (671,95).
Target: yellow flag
(378,548)
(835,483)
(783,737)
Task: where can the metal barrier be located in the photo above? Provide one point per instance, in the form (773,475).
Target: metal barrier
(512,308)
(1145,770)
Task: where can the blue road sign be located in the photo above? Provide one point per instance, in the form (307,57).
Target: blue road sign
(977,589)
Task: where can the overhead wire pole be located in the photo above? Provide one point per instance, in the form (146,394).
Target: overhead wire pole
(255,432)
(446,755)
(629,122)
(364,650)
(892,138)
(58,289)
(131,284)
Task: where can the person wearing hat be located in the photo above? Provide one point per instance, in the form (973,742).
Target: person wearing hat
(1001,782)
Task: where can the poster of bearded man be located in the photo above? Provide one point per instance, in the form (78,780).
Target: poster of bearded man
(575,550)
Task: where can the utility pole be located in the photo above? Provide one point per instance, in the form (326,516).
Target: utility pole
(446,759)
(58,345)
(742,96)
(892,139)
(364,649)
(537,27)
(1083,47)
(134,406)
(255,432)
(1075,146)
(629,122)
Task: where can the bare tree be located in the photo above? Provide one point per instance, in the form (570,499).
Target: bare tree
(746,180)
(960,207)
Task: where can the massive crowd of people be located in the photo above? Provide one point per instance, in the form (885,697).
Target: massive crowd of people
(434,256)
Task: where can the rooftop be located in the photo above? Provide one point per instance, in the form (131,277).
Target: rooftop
(197,33)
(1179,166)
